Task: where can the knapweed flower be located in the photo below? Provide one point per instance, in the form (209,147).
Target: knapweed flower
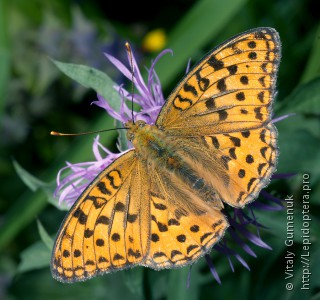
(244,227)
(149,97)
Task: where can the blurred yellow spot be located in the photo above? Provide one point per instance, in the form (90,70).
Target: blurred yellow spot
(154,40)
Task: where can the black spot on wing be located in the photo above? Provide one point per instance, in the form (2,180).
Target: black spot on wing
(131,218)
(236,141)
(103,189)
(135,254)
(100,242)
(119,207)
(240,96)
(221,85)
(88,233)
(215,63)
(194,228)
(222,114)
(180,99)
(232,69)
(174,253)
(66,253)
(251,181)
(191,247)
(203,82)
(172,222)
(115,237)
(205,236)
(81,216)
(159,254)
(154,237)
(190,88)
(245,134)
(89,262)
(252,55)
(181,238)
(103,220)
(162,227)
(117,256)
(110,176)
(252,44)
(102,259)
(159,206)
(244,80)
(210,104)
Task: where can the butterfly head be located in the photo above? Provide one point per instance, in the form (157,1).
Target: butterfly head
(133,127)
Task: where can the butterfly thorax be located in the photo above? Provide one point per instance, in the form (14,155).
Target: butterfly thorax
(148,140)
(156,150)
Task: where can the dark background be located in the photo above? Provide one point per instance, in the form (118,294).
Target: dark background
(36,98)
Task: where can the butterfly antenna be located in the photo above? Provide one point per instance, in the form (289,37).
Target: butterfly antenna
(132,77)
(84,133)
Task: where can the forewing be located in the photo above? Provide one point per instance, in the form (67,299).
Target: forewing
(106,229)
(231,89)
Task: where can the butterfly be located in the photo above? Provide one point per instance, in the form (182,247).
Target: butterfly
(160,204)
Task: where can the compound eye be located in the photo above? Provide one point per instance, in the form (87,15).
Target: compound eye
(141,123)
(130,136)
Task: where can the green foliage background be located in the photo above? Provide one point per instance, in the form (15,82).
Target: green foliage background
(35,98)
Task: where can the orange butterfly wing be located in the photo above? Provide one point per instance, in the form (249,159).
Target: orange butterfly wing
(127,217)
(107,228)
(226,102)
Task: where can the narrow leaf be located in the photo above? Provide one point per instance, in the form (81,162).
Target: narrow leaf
(45,237)
(30,181)
(92,78)
(312,69)
(304,99)
(133,278)
(35,257)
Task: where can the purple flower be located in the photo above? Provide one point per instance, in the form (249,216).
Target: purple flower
(244,228)
(150,98)
(72,185)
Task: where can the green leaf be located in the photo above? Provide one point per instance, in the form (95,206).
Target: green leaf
(34,184)
(299,142)
(5,55)
(34,257)
(133,278)
(122,137)
(197,28)
(177,289)
(20,215)
(316,190)
(92,78)
(45,237)
(312,69)
(299,136)
(30,181)
(304,99)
